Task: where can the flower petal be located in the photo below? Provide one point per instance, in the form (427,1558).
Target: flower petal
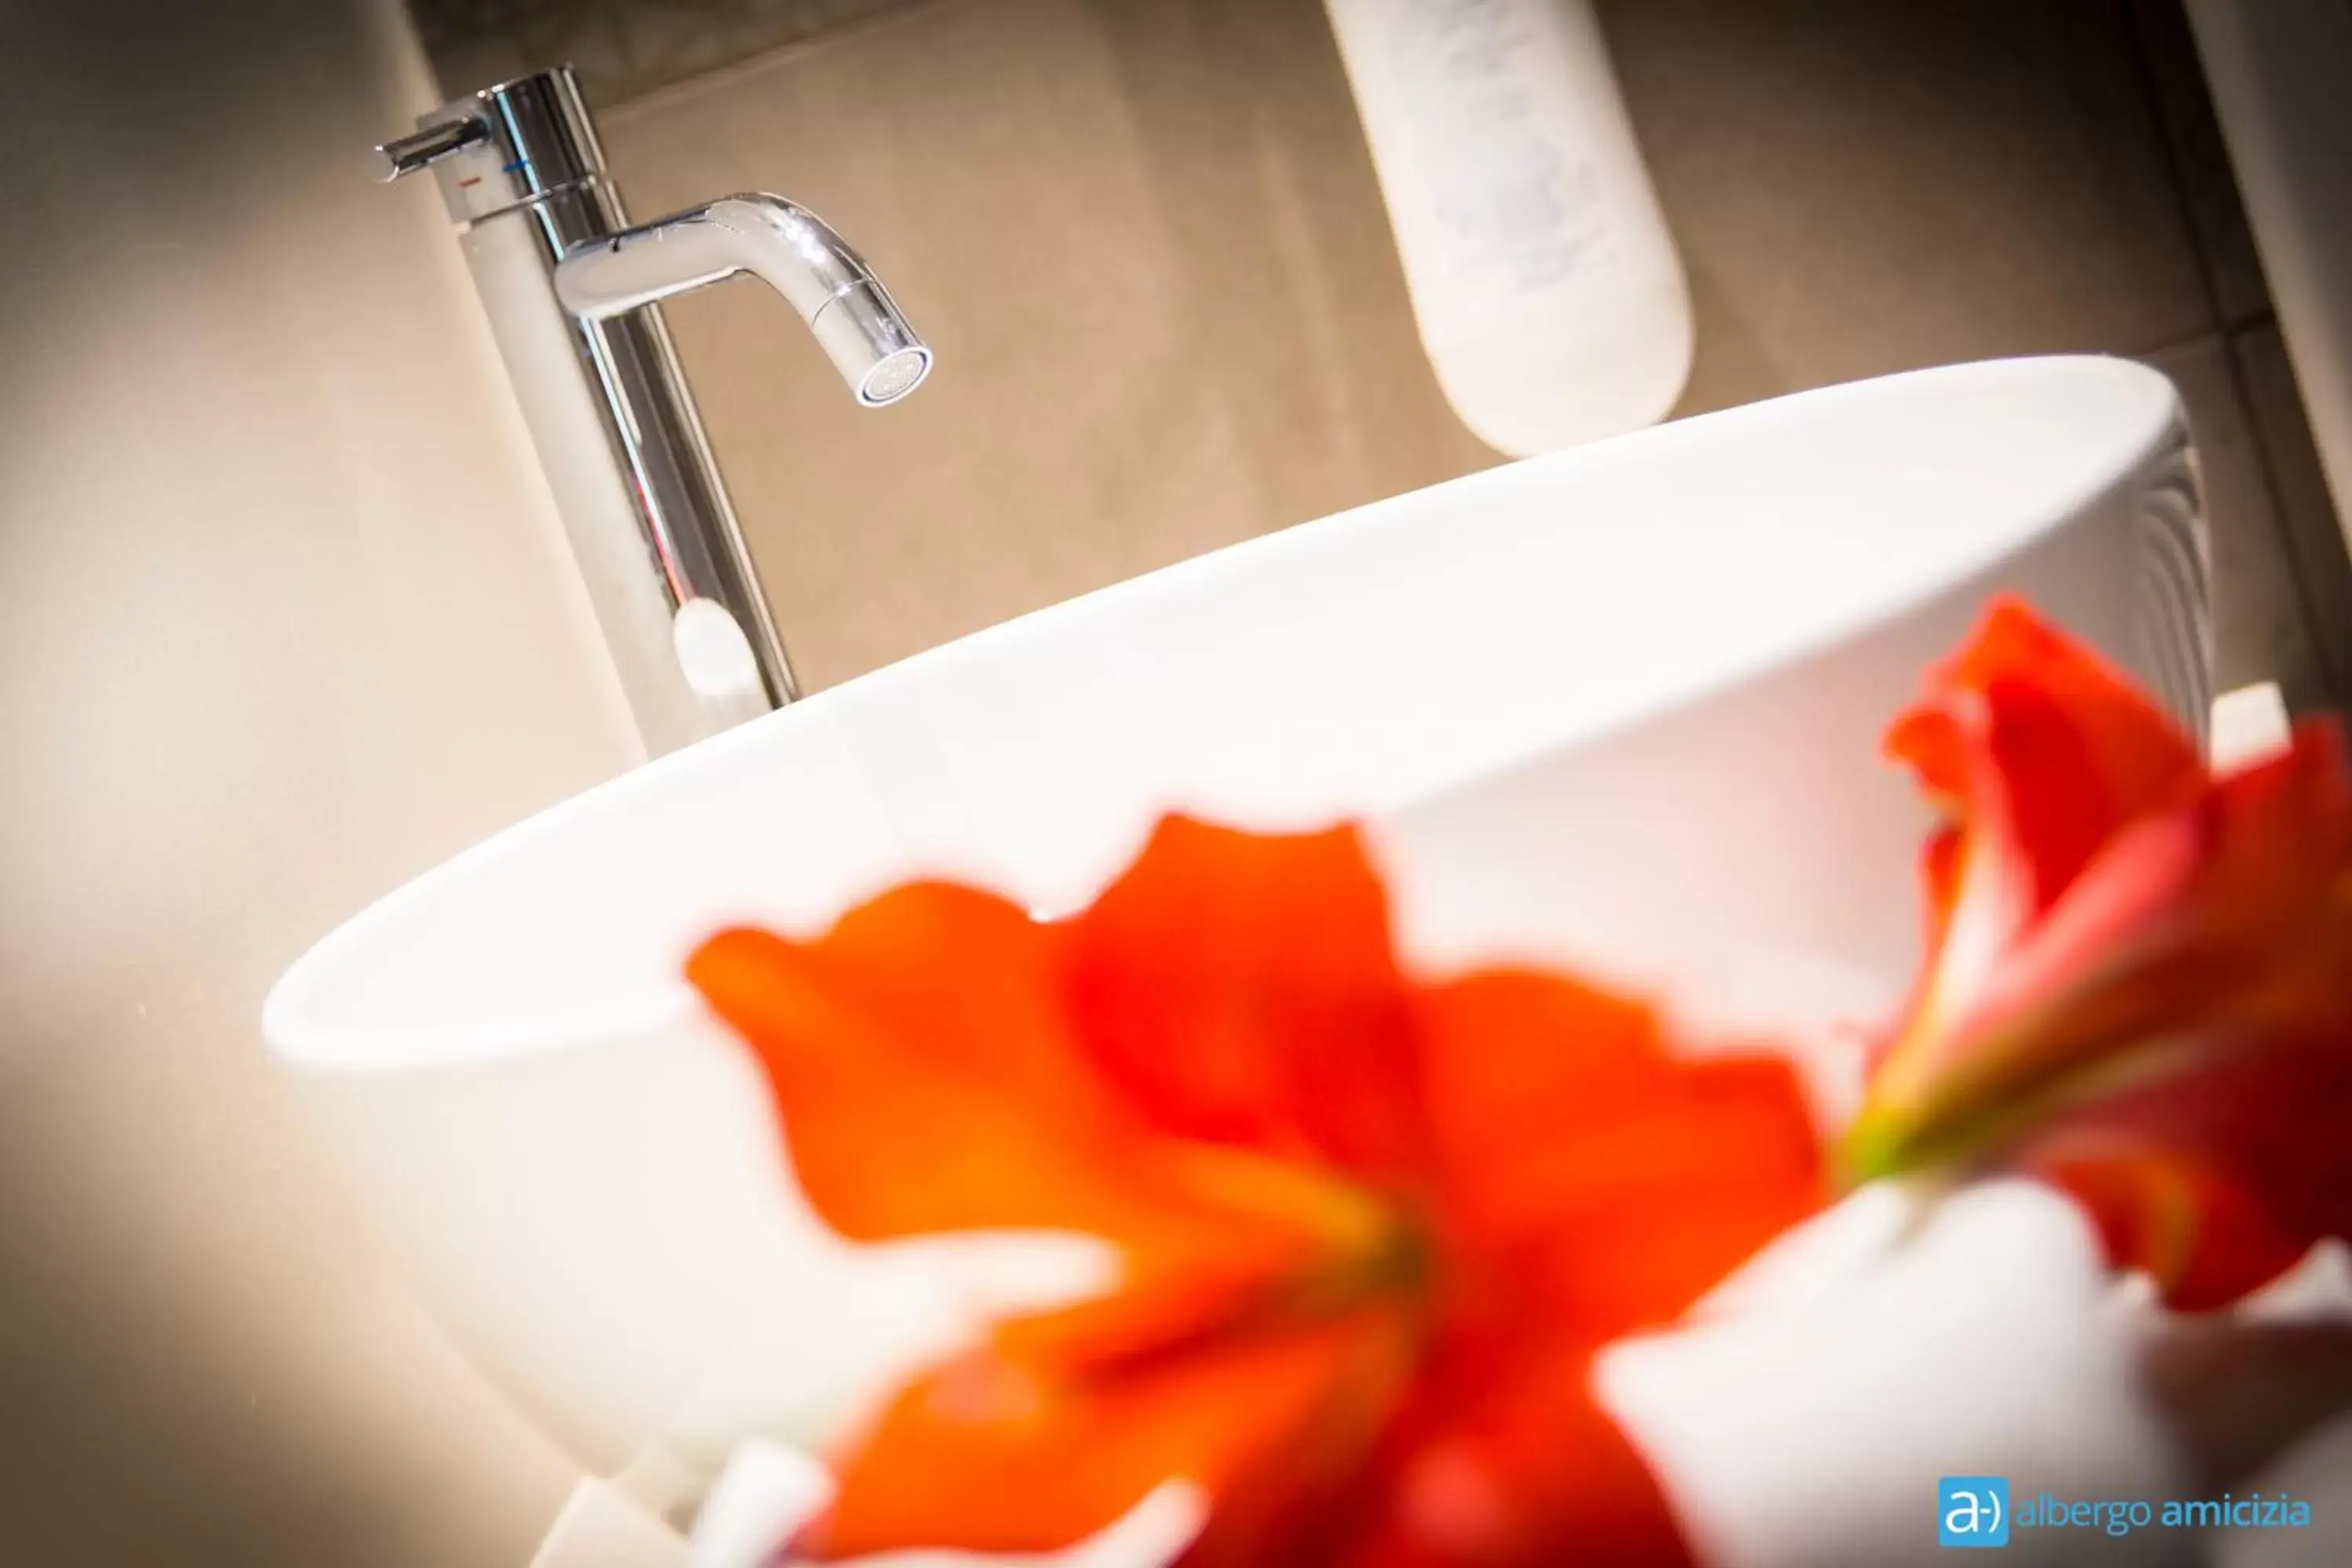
(2142,987)
(928,1080)
(2038,753)
(2218,1178)
(2231,914)
(2034,741)
(1508,1461)
(1011,1449)
(2235,909)
(1583,1165)
(1242,989)
(923,1074)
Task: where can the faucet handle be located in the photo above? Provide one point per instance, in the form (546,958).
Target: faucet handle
(421,149)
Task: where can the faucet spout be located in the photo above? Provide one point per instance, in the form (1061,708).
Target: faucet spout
(782,244)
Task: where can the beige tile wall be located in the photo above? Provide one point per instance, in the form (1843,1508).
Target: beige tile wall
(1145,236)
(1859,189)
(286,617)
(1145,241)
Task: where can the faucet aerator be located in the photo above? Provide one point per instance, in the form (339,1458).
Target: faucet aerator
(895,378)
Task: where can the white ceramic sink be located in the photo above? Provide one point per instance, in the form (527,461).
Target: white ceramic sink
(1617,706)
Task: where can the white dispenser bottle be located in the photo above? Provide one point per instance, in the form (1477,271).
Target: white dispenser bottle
(1546,287)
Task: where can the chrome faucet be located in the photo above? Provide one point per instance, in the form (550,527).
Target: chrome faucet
(571,290)
(783,245)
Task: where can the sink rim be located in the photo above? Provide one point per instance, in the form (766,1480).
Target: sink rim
(299,1016)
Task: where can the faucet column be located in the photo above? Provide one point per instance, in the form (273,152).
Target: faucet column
(624,453)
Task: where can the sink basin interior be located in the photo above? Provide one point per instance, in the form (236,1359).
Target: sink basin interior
(1352,666)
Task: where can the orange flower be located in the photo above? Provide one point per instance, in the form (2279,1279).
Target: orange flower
(2140,976)
(1373,1230)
